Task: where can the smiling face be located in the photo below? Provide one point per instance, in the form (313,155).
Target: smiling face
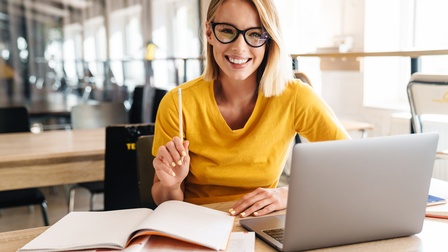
(237,60)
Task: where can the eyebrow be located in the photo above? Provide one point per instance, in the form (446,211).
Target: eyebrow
(251,27)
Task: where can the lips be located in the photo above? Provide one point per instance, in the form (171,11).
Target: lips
(238,61)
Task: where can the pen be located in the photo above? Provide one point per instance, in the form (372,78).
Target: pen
(179,93)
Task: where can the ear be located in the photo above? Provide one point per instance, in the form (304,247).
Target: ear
(208,32)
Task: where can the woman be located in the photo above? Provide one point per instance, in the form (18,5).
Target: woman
(239,117)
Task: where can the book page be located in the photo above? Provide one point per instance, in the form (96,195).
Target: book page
(239,242)
(437,211)
(84,230)
(192,223)
(438,188)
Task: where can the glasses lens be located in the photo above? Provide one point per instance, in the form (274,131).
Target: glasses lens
(256,37)
(225,33)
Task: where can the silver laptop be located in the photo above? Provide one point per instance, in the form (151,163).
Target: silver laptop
(350,191)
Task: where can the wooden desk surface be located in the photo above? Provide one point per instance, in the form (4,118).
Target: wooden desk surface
(442,154)
(350,125)
(51,158)
(404,53)
(432,238)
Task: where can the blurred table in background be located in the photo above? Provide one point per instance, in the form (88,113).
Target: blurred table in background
(51,158)
(362,127)
(52,110)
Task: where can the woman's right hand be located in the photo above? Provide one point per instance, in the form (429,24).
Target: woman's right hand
(172,163)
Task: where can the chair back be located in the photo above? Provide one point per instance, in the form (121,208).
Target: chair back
(14,119)
(428,100)
(121,188)
(303,77)
(88,116)
(145,170)
(427,95)
(145,103)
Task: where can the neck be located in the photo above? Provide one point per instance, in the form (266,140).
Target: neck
(236,92)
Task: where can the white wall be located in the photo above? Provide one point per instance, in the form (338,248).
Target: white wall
(343,90)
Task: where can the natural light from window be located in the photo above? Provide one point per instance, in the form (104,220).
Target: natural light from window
(404,25)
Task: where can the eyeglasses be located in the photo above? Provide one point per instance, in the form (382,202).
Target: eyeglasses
(227,33)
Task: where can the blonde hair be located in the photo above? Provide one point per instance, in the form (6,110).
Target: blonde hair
(275,70)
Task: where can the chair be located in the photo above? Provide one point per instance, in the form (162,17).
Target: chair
(87,116)
(145,170)
(428,98)
(145,103)
(121,188)
(14,120)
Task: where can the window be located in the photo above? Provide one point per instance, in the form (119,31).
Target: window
(394,26)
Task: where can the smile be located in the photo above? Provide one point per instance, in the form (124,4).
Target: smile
(238,61)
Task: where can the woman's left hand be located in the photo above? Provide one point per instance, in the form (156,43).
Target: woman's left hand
(260,202)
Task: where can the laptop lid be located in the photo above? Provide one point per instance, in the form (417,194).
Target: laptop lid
(352,191)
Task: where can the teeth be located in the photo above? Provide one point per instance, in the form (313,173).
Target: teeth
(238,61)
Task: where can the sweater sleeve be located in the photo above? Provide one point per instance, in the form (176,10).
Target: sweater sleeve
(315,120)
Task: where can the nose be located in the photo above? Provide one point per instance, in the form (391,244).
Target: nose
(239,43)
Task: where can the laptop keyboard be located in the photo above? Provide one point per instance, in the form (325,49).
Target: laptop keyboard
(276,233)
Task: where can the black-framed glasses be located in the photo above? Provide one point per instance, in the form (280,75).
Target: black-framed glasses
(227,33)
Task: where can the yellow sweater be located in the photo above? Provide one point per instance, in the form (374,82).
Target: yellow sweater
(225,163)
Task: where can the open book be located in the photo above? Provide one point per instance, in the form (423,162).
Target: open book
(437,210)
(437,201)
(116,229)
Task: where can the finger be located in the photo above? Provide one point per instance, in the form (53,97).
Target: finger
(174,152)
(164,161)
(265,210)
(245,202)
(178,143)
(262,207)
(249,198)
(162,167)
(182,148)
(185,151)
(258,205)
(273,199)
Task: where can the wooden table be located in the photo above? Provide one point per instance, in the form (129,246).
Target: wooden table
(51,158)
(442,154)
(414,55)
(362,127)
(432,238)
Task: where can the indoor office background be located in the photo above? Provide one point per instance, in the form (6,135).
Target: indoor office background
(61,51)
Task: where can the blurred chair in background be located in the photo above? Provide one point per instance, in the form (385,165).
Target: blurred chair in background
(15,120)
(145,102)
(428,100)
(145,170)
(88,116)
(121,189)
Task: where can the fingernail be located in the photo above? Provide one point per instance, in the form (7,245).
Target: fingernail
(243,214)
(173,164)
(179,162)
(184,154)
(231,211)
(255,213)
(174,174)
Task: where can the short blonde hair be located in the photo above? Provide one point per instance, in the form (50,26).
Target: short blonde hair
(275,70)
